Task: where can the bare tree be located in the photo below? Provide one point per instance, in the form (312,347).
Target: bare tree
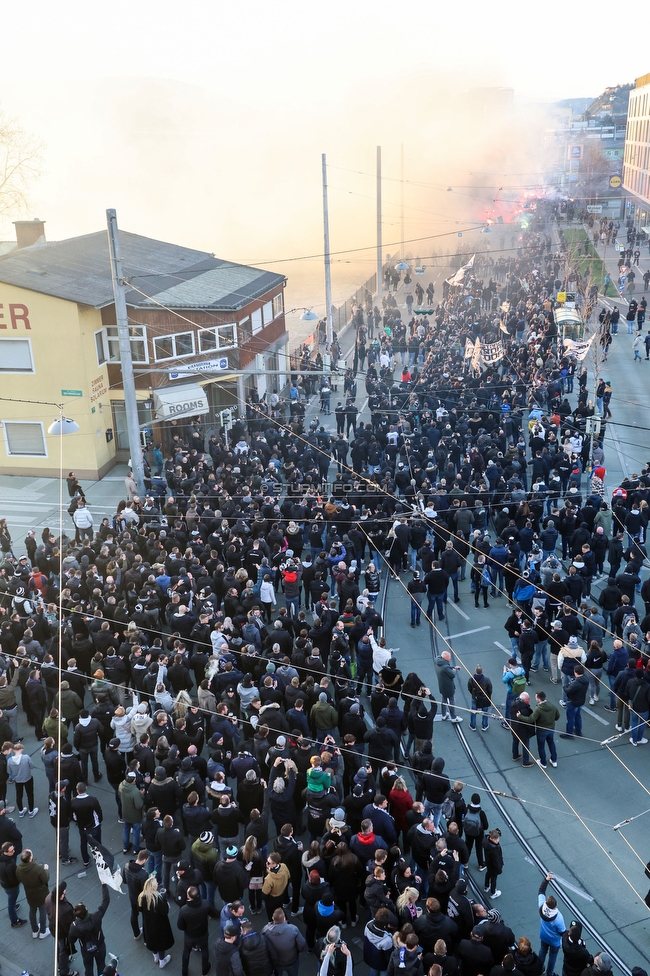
(21,157)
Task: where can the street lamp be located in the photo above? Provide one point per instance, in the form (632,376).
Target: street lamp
(307,314)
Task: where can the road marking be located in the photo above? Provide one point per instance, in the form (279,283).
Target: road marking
(458,610)
(506,650)
(38,484)
(464,633)
(595,715)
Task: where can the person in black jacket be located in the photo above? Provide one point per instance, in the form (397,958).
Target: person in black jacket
(87,930)
(135,875)
(576,955)
(86,740)
(10,882)
(254,952)
(576,695)
(193,921)
(521,732)
(186,877)
(493,861)
(172,844)
(230,876)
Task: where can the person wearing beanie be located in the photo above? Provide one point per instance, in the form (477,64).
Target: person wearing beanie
(459,909)
(551,926)
(326,914)
(324,718)
(475,823)
(601,966)
(312,891)
(576,955)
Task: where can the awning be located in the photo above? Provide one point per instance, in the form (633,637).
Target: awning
(180,401)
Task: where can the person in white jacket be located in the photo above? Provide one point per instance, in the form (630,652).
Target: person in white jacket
(84,522)
(267,597)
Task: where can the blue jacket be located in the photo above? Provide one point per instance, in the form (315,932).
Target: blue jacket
(551,923)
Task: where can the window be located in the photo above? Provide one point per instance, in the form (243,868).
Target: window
(245,330)
(267,311)
(278,305)
(257,320)
(24,439)
(221,337)
(100,347)
(16,356)
(173,346)
(107,344)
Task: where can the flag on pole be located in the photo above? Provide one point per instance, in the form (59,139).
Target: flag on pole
(504,328)
(108,870)
(476,355)
(469,348)
(578,349)
(459,276)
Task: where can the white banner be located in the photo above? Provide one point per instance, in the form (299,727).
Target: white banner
(469,348)
(476,356)
(578,349)
(459,276)
(492,352)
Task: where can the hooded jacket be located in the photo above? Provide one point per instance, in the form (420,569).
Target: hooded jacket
(435,784)
(576,955)
(365,845)
(34,878)
(86,733)
(132,802)
(377,946)
(551,923)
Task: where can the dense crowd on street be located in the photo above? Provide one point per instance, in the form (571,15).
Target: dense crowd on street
(215,651)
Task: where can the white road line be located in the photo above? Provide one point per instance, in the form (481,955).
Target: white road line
(598,718)
(506,650)
(454,606)
(464,633)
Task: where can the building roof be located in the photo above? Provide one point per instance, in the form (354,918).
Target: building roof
(78,270)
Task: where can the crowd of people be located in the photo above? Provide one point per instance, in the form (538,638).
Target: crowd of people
(215,652)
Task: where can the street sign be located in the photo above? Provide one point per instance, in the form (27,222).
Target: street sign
(67,393)
(615,181)
(595,208)
(561,296)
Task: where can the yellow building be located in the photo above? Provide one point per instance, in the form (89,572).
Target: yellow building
(203,332)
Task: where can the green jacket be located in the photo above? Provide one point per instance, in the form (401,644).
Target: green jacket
(34,879)
(132,802)
(545,715)
(205,856)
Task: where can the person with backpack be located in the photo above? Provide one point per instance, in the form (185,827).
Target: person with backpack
(514,677)
(480,689)
(475,823)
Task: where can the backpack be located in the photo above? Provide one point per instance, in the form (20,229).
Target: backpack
(448,808)
(472,823)
(518,684)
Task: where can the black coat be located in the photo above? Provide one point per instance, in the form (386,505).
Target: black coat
(158,935)
(493,856)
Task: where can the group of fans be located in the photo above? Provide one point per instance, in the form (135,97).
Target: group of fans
(231,726)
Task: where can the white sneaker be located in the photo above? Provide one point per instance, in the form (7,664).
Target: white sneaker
(497,894)
(9,809)
(592,701)
(619,728)
(553,764)
(642,742)
(23,812)
(633,742)
(34,935)
(562,703)
(32,813)
(44,934)
(163,962)
(457,720)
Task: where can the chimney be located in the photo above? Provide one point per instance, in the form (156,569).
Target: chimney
(29,232)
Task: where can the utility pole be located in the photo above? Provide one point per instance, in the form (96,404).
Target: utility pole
(402,202)
(328,270)
(126,361)
(380,277)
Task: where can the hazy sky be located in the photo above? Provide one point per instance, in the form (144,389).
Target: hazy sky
(203,122)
